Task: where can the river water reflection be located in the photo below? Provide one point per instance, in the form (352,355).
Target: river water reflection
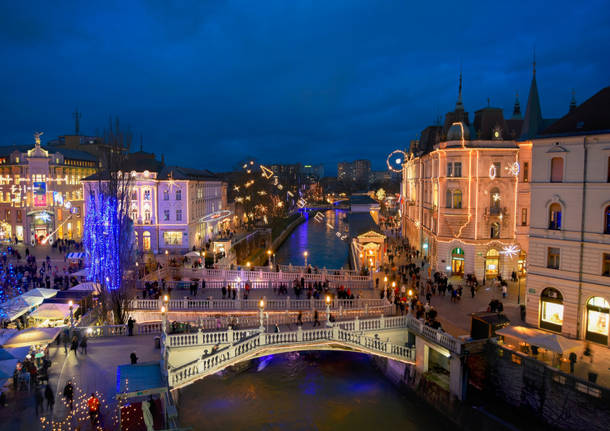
(319,240)
(304,391)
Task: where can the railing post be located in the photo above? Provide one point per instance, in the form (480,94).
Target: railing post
(335,332)
(287,303)
(199,337)
(382,322)
(366,308)
(230,335)
(185,304)
(356,324)
(299,333)
(311,303)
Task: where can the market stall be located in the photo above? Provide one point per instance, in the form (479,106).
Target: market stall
(50,314)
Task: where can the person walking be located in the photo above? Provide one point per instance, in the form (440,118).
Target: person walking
(74,345)
(65,339)
(572,358)
(69,394)
(504,290)
(130,324)
(134,358)
(316,319)
(93,404)
(39,401)
(300,319)
(83,345)
(50,397)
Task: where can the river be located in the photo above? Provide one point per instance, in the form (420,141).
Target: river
(323,246)
(305,391)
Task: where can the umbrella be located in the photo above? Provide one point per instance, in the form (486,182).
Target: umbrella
(53,311)
(193,254)
(554,343)
(88,286)
(519,332)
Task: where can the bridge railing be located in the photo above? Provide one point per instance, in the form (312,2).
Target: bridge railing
(250,345)
(143,328)
(453,344)
(253,304)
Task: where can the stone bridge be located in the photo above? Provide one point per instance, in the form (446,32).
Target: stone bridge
(188,361)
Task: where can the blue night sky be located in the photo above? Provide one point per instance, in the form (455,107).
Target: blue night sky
(209,82)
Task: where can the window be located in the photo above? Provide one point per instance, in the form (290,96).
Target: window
(457,169)
(551,310)
(598,314)
(135,239)
(19,216)
(165,215)
(557,170)
(172,237)
(606,264)
(498,167)
(457,199)
(552,258)
(494,201)
(495,230)
(134,195)
(449,169)
(526,172)
(178,215)
(147,215)
(523,216)
(555,216)
(134,215)
(178,195)
(607,220)
(146,195)
(165,195)
(146,241)
(448,198)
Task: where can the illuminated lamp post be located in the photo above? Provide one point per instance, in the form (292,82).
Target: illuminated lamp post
(269,258)
(305,254)
(71,304)
(163,320)
(327,300)
(261,310)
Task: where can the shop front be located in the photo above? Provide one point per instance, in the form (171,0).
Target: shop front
(457,261)
(551,309)
(41,224)
(492,264)
(598,312)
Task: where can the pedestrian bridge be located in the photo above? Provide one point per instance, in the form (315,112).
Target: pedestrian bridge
(380,336)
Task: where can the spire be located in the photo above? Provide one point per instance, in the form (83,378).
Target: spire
(459,105)
(573,101)
(77,116)
(532,122)
(517,108)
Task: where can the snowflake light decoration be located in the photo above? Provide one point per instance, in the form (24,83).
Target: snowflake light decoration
(510,250)
(395,160)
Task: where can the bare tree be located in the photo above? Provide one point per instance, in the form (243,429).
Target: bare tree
(108,228)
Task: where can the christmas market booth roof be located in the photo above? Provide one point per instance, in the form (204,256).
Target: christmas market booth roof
(53,311)
(139,380)
(32,337)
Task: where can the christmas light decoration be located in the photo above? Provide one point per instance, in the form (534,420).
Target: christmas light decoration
(510,250)
(492,172)
(395,160)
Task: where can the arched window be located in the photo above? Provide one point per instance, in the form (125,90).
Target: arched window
(495,230)
(598,312)
(492,263)
(607,220)
(457,199)
(555,216)
(494,201)
(551,309)
(146,241)
(147,215)
(557,169)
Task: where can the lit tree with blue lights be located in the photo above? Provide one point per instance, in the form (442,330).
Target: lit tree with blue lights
(108,232)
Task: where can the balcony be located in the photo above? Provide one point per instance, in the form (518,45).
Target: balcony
(495,211)
(554,225)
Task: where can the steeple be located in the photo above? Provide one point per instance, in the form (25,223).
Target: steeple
(532,122)
(77,116)
(517,108)
(573,102)
(459,105)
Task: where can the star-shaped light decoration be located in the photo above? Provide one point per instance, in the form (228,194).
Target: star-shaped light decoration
(510,250)
(496,197)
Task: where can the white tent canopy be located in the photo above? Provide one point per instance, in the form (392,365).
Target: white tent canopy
(88,286)
(76,255)
(53,311)
(193,254)
(554,343)
(32,337)
(15,307)
(40,292)
(81,273)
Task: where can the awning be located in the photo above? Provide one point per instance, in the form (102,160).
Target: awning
(89,286)
(51,311)
(32,336)
(15,307)
(193,254)
(81,273)
(139,380)
(75,255)
(554,343)
(38,295)
(519,332)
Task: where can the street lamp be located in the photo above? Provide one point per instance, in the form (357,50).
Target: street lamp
(327,300)
(305,254)
(163,319)
(71,304)
(261,309)
(269,258)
